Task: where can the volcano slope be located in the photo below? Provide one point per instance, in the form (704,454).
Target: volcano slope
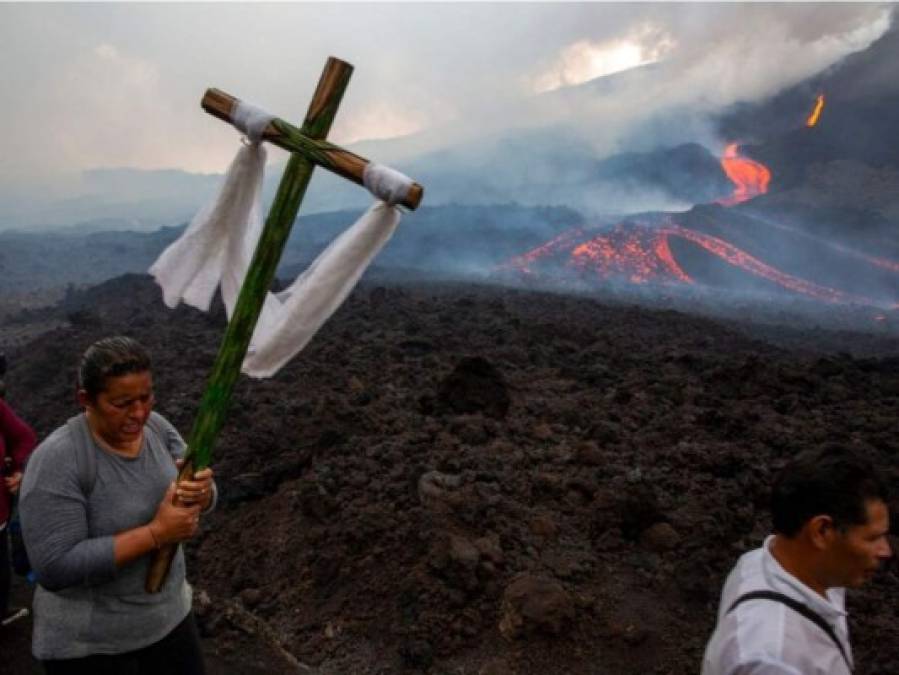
(459,479)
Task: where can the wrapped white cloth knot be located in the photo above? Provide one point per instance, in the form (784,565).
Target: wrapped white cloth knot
(388,185)
(251,120)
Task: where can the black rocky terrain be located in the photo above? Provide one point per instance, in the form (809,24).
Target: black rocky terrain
(463,479)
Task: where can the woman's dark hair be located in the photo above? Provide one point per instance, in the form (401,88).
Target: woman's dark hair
(110,357)
(832,481)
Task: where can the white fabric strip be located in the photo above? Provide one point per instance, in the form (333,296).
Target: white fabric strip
(291,318)
(251,119)
(217,248)
(223,233)
(388,185)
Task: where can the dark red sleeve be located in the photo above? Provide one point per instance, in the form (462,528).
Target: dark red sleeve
(20,439)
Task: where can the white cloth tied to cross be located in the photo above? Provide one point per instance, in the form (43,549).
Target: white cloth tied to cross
(218,245)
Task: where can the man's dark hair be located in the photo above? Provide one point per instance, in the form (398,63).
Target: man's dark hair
(833,481)
(110,357)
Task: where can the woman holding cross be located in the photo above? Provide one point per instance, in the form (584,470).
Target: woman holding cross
(98,498)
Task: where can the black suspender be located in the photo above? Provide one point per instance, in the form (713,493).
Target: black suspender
(798,607)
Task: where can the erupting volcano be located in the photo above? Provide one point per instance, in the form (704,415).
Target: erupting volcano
(750,178)
(709,248)
(815,115)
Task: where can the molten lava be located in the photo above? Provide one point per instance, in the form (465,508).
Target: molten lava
(636,253)
(741,259)
(815,115)
(750,178)
(639,253)
(522,263)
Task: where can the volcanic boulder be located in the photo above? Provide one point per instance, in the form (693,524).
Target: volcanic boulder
(475,385)
(533,604)
(455,559)
(660,537)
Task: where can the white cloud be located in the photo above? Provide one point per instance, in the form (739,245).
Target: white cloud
(586,60)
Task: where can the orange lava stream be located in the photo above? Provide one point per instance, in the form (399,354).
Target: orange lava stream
(523,262)
(815,115)
(663,250)
(642,254)
(743,260)
(750,178)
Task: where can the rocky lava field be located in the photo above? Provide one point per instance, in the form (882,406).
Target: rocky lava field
(458,479)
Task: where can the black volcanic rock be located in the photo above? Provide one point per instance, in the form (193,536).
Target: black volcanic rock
(475,385)
(383,536)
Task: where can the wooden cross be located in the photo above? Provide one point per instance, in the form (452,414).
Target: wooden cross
(308,148)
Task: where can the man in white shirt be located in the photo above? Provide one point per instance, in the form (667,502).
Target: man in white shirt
(782,610)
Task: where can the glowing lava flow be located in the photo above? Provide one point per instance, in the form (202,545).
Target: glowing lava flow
(632,252)
(750,178)
(741,259)
(815,115)
(641,254)
(523,262)
(638,254)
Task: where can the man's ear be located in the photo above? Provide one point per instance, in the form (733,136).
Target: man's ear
(83,399)
(820,531)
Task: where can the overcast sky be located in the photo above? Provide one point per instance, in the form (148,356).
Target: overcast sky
(113,85)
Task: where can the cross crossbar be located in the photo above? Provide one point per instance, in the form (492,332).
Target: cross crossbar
(287,137)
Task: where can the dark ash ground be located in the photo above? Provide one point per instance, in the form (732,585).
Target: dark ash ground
(476,480)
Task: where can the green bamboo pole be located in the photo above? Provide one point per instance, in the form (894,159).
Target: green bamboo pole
(258,281)
(288,137)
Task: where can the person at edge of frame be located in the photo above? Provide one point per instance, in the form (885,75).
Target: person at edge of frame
(17,441)
(782,609)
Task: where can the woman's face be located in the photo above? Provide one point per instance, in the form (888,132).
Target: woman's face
(120,411)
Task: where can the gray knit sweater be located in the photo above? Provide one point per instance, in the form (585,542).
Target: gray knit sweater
(84,604)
